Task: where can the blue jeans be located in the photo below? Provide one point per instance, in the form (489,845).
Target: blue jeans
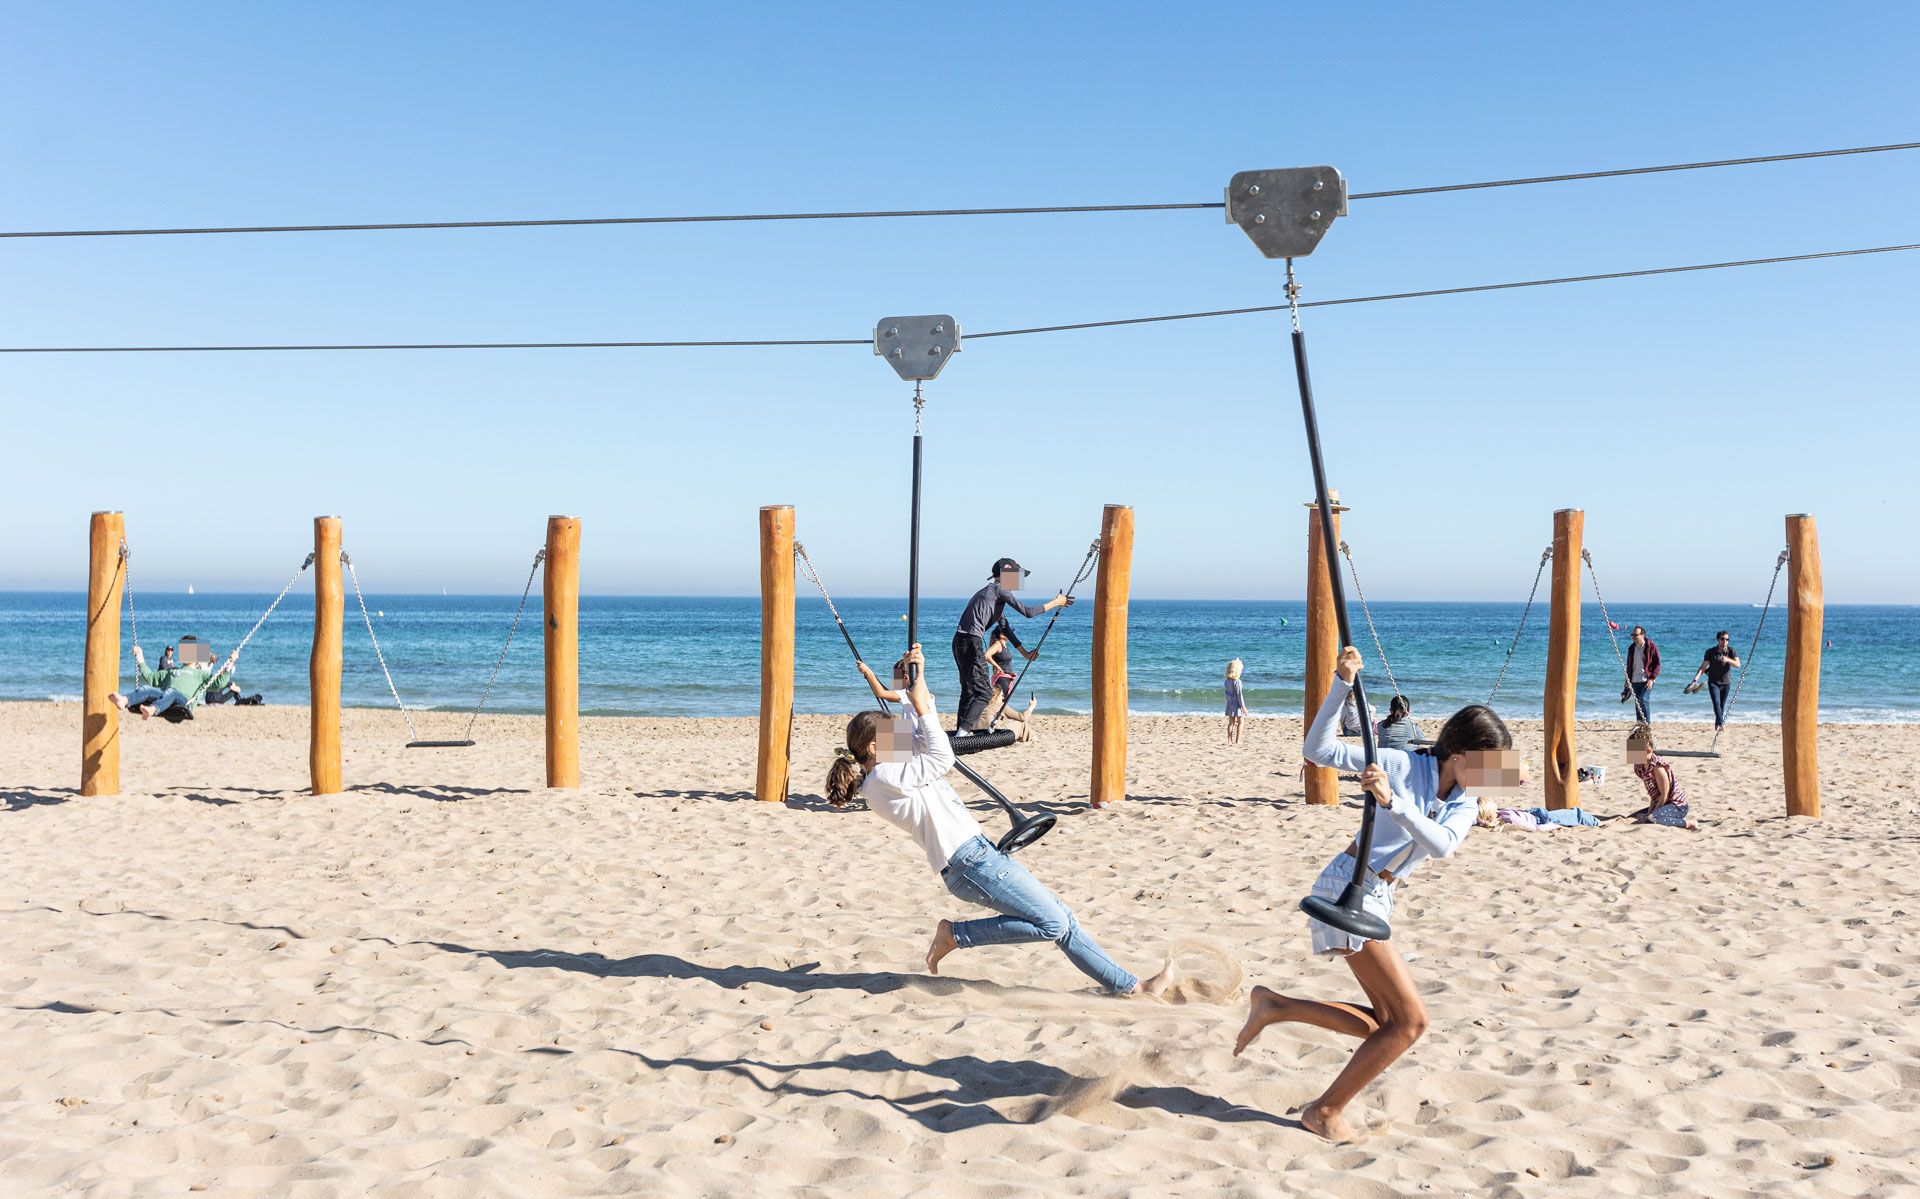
(1717,692)
(159,698)
(980,874)
(1643,702)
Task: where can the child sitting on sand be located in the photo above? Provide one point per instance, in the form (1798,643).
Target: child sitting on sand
(1428,802)
(1236,701)
(898,764)
(1666,800)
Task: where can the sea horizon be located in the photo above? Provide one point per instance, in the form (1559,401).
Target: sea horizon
(699,655)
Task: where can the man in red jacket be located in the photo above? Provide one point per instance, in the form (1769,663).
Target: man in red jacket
(1643,667)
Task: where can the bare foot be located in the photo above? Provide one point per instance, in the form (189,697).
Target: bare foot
(1264,1008)
(146,711)
(1327,1123)
(943,944)
(1157,985)
(118,700)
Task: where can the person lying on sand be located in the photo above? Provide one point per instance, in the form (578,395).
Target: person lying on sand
(898,764)
(1428,802)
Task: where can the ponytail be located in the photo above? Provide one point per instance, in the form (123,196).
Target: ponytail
(849,767)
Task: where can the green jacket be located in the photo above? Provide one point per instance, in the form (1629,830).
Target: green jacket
(191,681)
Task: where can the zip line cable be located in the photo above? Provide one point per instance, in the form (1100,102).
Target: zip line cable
(882,214)
(864,341)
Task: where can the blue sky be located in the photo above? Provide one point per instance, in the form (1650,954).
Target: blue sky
(1686,415)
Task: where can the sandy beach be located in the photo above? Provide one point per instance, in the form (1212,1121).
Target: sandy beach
(449,981)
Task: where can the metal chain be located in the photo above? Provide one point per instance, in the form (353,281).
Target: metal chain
(126,585)
(919,407)
(806,564)
(1293,296)
(1746,664)
(538,557)
(235,655)
(1546,556)
(1613,634)
(1368,613)
(380,657)
(806,567)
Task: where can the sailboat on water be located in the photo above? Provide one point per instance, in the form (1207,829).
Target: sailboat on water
(189,588)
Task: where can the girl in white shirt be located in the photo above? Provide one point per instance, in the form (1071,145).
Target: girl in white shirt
(898,764)
(1427,805)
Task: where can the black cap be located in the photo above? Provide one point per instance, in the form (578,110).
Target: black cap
(1007,564)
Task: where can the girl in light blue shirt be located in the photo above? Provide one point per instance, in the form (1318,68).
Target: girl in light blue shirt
(1428,802)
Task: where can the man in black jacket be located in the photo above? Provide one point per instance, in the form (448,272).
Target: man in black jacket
(983,611)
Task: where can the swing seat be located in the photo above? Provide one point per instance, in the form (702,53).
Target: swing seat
(439,744)
(973,743)
(1026,831)
(1353,921)
(1688,753)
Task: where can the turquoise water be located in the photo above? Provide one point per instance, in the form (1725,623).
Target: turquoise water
(700,657)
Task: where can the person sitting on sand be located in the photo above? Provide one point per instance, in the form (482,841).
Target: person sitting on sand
(998,715)
(1397,731)
(1350,717)
(898,764)
(1666,799)
(230,694)
(174,689)
(1428,802)
(1236,701)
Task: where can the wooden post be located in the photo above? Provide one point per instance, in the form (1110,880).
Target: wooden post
(1111,587)
(1323,642)
(99,719)
(1562,766)
(560,596)
(323,666)
(770,780)
(1800,686)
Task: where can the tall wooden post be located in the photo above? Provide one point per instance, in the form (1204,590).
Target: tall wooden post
(776,653)
(1800,686)
(323,666)
(1111,588)
(99,719)
(1323,642)
(1562,766)
(560,596)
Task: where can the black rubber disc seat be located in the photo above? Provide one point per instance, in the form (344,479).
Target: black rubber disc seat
(973,743)
(1026,831)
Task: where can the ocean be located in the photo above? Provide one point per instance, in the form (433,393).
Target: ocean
(674,656)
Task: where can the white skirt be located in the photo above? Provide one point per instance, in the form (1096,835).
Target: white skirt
(1331,884)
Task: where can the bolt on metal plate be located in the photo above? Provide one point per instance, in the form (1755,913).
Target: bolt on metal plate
(1286,210)
(916,347)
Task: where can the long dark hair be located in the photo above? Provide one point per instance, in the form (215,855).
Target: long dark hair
(850,765)
(1397,711)
(1473,727)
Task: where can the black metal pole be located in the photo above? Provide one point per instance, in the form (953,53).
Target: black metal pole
(913,563)
(1348,916)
